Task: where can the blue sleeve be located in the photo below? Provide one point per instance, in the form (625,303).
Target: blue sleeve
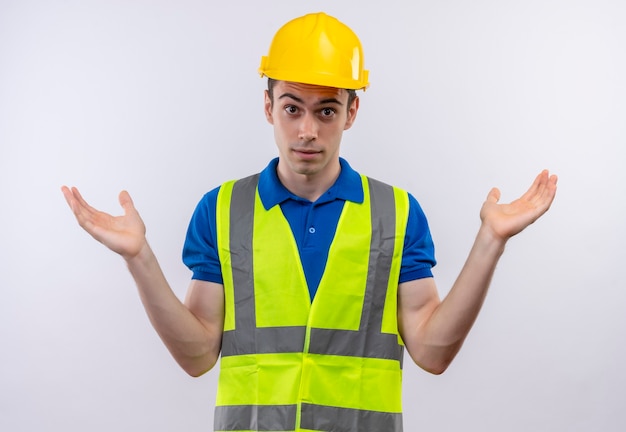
(418,257)
(200,248)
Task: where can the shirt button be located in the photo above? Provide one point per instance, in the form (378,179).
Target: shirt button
(312,230)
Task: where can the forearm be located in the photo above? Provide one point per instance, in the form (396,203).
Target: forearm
(454,317)
(193,343)
(434,330)
(444,330)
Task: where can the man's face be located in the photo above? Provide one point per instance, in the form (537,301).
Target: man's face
(308,122)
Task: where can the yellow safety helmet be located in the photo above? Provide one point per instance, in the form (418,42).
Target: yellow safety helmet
(316,49)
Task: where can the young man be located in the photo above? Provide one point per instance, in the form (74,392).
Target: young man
(309,278)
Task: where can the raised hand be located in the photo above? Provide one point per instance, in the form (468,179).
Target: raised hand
(507,220)
(125,235)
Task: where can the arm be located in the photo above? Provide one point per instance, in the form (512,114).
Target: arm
(433,330)
(192,331)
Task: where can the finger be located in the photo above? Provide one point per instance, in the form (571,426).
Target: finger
(545,193)
(536,191)
(83,211)
(550,190)
(494,195)
(67,194)
(546,186)
(536,185)
(126,201)
(79,198)
(554,179)
(74,200)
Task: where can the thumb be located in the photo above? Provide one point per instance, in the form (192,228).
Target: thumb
(494,195)
(126,201)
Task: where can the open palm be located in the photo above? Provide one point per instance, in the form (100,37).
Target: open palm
(507,220)
(122,234)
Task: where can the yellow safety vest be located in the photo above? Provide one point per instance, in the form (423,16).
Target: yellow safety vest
(289,364)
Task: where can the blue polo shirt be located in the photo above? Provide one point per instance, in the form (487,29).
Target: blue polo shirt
(313,225)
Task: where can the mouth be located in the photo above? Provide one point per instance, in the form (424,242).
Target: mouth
(306,153)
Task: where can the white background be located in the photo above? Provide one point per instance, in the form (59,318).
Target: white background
(162,98)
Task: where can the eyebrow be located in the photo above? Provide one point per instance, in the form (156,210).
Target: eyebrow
(322,102)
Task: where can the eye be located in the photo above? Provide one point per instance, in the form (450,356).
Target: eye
(291,109)
(327,112)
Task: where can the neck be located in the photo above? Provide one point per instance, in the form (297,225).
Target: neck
(309,186)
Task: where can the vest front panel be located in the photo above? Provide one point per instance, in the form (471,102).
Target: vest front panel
(287,364)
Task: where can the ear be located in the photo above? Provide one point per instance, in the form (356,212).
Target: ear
(268,108)
(352,111)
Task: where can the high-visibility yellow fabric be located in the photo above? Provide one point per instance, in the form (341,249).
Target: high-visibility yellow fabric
(282,299)
(259,379)
(346,267)
(281,294)
(223,227)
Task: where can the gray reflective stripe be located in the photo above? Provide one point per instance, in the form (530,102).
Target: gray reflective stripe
(255,418)
(241,224)
(246,338)
(369,341)
(355,344)
(314,417)
(325,418)
(263,341)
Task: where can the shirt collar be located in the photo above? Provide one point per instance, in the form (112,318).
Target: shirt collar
(347,187)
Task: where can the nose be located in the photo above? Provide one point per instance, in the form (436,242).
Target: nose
(308,128)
